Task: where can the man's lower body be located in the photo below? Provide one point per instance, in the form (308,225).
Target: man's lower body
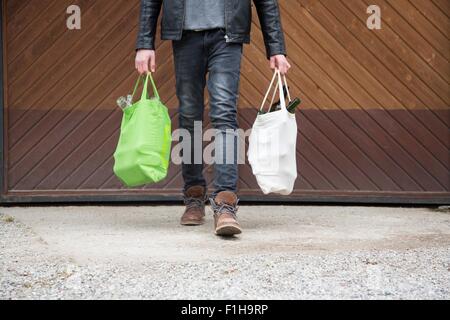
(196,55)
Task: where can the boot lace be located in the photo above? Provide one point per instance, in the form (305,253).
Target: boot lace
(222,208)
(192,202)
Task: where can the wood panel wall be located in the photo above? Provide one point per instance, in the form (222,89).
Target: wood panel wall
(373,127)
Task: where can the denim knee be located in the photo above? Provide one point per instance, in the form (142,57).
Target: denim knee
(224,119)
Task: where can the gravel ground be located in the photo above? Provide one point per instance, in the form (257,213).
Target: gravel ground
(31,269)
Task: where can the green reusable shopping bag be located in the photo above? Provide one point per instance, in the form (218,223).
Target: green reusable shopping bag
(143,151)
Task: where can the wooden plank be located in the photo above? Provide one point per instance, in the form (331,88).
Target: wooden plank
(435,170)
(361,155)
(425,62)
(68,96)
(323,83)
(370,60)
(29,89)
(41,37)
(378,47)
(65,53)
(419,23)
(434,14)
(332,57)
(173,196)
(353,126)
(13,7)
(444,5)
(23,14)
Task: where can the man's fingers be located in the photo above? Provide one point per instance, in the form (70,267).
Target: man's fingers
(145,59)
(272,63)
(144,67)
(153,63)
(279,62)
(283,68)
(140,67)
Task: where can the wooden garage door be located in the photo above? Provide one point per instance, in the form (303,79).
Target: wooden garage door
(374,125)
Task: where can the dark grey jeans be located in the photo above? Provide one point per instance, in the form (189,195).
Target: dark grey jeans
(197,54)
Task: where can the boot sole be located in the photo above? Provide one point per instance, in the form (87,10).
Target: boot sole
(228,230)
(192,223)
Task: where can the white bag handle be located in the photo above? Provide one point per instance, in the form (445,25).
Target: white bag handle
(280,90)
(287,88)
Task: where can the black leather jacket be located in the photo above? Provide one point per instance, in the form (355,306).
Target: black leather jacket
(238,16)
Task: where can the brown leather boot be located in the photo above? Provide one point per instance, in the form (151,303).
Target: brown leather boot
(224,206)
(194,198)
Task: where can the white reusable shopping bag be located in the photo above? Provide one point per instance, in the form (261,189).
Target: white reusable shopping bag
(272,145)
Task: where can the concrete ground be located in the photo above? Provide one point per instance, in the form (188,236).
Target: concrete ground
(285,252)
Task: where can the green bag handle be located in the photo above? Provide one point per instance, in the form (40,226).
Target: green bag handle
(145,88)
